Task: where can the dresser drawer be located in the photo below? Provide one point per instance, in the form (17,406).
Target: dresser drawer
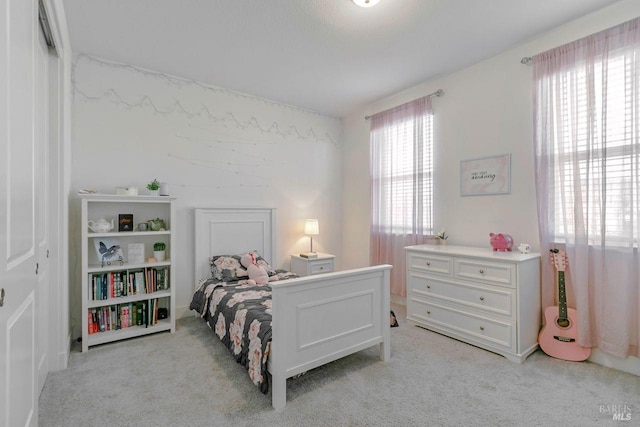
(324,266)
(430,263)
(501,274)
(495,300)
(483,329)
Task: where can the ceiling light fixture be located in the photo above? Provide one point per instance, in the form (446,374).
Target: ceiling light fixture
(366,3)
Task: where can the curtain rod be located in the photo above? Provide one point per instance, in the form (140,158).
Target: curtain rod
(526,60)
(437,94)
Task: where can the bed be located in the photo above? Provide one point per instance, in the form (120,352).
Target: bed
(314,320)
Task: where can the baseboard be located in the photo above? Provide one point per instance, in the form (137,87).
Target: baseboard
(62,357)
(630,364)
(184,311)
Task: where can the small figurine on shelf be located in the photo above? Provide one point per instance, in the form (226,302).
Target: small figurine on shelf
(154,187)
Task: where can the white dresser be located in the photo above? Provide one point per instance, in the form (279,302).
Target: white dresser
(485,298)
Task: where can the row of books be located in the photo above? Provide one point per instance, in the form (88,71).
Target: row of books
(117,284)
(120,316)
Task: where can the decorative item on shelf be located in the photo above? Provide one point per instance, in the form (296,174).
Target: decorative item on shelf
(154,187)
(157,224)
(100,225)
(135,253)
(524,248)
(125,222)
(143,226)
(107,250)
(127,191)
(158,251)
(311,228)
(501,242)
(164,189)
(442,237)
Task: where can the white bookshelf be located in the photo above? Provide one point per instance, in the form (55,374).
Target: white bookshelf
(109,273)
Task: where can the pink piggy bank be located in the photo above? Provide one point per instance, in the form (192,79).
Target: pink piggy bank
(501,242)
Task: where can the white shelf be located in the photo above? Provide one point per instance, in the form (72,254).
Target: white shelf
(128,233)
(126,333)
(128,299)
(143,208)
(116,266)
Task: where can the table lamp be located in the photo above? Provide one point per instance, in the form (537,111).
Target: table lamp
(311,229)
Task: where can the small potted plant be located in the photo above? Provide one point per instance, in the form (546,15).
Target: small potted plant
(442,237)
(154,187)
(158,251)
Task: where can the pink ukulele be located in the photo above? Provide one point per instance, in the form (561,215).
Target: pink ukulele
(558,336)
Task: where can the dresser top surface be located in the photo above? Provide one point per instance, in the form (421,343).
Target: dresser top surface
(470,251)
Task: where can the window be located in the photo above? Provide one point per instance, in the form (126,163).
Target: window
(403,178)
(593,112)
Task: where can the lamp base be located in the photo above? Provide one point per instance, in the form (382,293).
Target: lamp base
(309,255)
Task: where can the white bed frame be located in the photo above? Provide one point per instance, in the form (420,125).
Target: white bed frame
(316,319)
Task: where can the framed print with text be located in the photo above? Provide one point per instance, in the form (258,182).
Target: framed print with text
(485,175)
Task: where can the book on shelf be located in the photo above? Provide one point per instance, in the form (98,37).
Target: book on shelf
(144,314)
(124,314)
(139,313)
(103,327)
(125,222)
(90,324)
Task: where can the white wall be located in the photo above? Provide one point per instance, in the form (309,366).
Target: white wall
(213,146)
(486,110)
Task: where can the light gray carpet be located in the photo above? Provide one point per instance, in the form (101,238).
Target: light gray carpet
(189,379)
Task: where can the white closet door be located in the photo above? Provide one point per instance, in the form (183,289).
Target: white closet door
(18,220)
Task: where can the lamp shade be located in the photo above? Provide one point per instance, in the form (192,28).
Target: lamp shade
(311,227)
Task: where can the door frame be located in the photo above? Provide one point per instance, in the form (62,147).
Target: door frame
(60,68)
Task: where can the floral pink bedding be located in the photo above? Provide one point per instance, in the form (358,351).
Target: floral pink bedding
(240,316)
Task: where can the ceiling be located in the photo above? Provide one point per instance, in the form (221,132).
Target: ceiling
(329,56)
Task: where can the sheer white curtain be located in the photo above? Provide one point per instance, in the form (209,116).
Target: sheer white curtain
(401,184)
(587,153)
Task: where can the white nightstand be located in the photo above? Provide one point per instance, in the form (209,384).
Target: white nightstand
(309,266)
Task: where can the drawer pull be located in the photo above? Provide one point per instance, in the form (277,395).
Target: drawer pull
(428,286)
(321,268)
(428,264)
(481,271)
(428,312)
(481,298)
(482,328)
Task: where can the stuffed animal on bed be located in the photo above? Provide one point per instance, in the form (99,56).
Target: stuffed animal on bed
(257,274)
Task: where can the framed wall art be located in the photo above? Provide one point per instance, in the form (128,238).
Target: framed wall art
(485,175)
